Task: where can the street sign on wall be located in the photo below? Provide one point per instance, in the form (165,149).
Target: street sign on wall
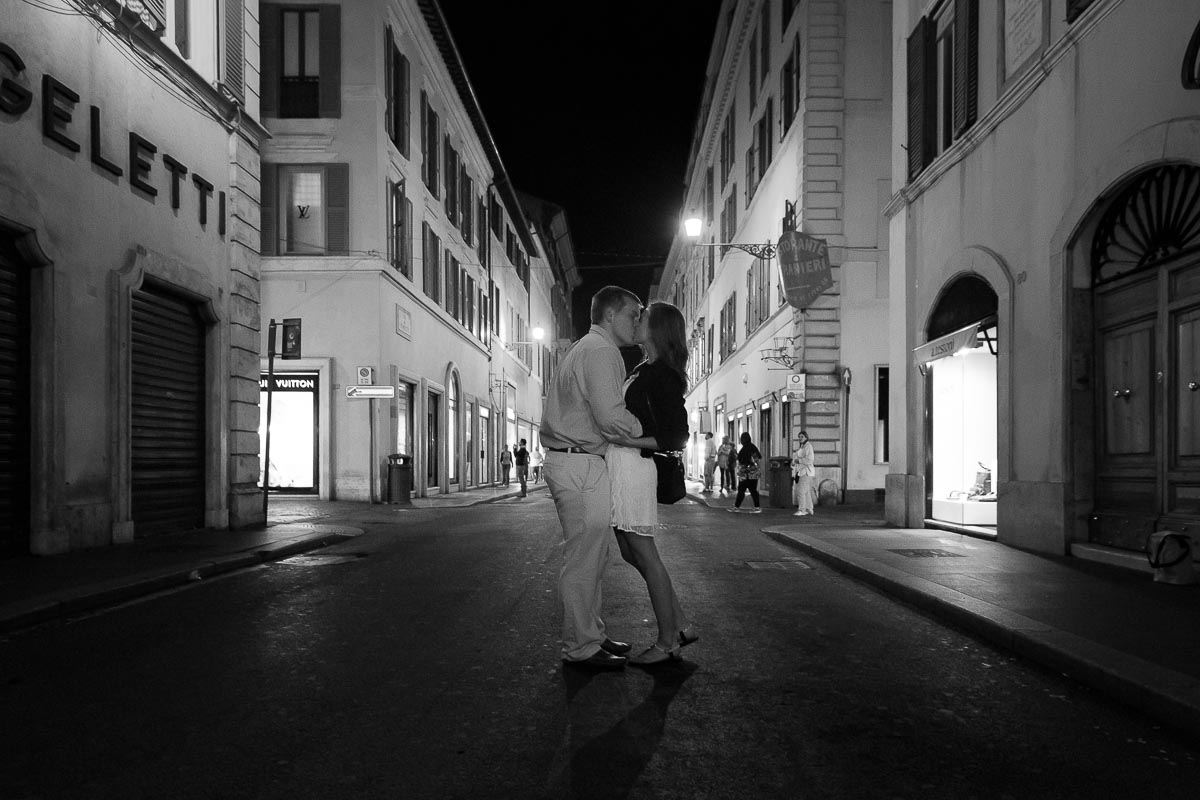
(804,268)
(371,392)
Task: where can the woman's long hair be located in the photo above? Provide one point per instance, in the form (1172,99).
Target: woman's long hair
(668,333)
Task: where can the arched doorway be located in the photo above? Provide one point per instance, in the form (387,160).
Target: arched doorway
(959,361)
(1145,270)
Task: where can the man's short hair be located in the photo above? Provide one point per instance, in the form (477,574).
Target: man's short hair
(613,297)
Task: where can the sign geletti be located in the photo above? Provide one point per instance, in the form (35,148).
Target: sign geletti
(804,268)
(57,114)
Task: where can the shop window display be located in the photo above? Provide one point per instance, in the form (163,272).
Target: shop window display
(964,437)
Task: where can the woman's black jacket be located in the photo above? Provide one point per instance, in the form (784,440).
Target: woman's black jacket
(655,397)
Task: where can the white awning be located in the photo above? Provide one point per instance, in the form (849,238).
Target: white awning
(947,345)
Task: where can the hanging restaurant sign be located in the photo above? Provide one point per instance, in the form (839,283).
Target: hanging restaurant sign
(803,267)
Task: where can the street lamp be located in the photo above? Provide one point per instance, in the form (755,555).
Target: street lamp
(537,333)
(693,225)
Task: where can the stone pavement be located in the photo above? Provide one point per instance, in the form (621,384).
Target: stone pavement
(1111,628)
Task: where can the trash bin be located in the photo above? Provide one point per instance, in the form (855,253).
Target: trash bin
(779,482)
(400,479)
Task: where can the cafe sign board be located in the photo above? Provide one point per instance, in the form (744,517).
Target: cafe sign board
(804,268)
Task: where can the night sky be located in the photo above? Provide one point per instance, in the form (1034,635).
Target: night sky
(593,108)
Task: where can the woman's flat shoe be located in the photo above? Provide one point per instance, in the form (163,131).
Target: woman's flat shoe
(688,636)
(654,655)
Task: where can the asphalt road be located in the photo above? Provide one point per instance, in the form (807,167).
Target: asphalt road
(420,660)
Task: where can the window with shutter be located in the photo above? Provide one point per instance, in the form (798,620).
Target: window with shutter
(331,60)
(430,147)
(389,88)
(268,205)
(451,183)
(234,55)
(764,43)
(400,102)
(922,97)
(466,190)
(753,71)
(430,254)
(337,215)
(182,27)
(966,65)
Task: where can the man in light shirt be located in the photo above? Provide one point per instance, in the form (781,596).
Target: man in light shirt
(585,409)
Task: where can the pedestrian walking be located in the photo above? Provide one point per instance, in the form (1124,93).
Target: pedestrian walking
(727,463)
(521,458)
(804,467)
(710,461)
(654,394)
(505,463)
(536,457)
(747,471)
(585,409)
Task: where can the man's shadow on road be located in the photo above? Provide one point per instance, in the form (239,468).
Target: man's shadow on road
(609,764)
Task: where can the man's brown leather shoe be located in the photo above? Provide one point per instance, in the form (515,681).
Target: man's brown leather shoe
(598,660)
(616,648)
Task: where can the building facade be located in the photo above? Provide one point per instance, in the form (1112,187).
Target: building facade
(1045,239)
(792,134)
(128,271)
(393,234)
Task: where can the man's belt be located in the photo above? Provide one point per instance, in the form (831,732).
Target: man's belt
(578,450)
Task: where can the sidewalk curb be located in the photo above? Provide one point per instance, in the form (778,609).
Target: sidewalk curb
(76,600)
(1163,694)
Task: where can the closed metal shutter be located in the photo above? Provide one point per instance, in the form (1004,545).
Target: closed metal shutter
(168,358)
(14,403)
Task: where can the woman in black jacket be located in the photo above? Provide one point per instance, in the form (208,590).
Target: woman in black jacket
(654,394)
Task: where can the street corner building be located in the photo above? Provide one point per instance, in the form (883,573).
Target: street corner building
(788,175)
(128,271)
(433,298)
(1045,283)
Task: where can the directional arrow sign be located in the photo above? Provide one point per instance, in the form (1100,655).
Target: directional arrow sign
(371,392)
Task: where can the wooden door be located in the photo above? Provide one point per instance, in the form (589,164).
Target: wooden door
(1127,398)
(1182,489)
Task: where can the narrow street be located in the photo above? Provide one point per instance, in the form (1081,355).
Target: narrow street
(420,660)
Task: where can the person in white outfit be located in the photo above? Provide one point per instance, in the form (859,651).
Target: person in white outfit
(804,468)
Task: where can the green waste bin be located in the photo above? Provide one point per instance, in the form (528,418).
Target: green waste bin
(400,479)
(779,482)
